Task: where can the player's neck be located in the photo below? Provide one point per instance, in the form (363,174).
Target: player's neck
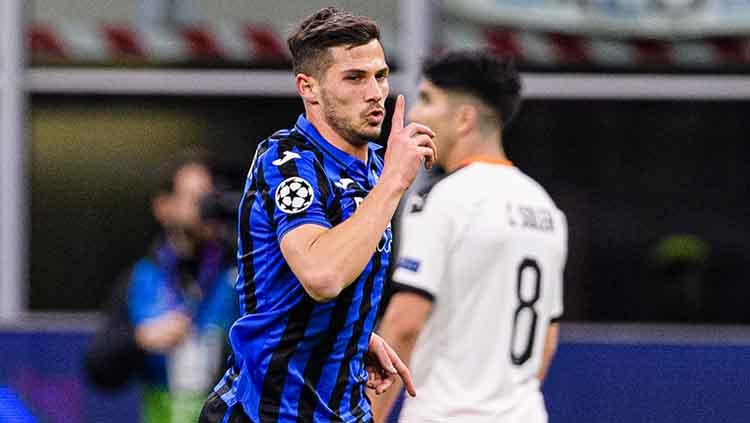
(335,139)
(473,149)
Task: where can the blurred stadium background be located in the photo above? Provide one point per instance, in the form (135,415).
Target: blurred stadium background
(635,119)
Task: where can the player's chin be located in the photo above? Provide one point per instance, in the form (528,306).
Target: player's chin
(372,131)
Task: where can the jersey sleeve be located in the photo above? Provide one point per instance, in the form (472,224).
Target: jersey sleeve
(557,309)
(423,249)
(294,189)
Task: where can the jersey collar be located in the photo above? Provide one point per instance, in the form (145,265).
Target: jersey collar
(347,160)
(483,159)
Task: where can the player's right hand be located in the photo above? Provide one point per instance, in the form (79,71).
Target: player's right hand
(407,148)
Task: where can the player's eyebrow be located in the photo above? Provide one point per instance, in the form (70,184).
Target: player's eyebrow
(359,72)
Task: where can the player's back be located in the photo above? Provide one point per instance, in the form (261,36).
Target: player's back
(504,250)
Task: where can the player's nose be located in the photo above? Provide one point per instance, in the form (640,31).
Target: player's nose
(374,91)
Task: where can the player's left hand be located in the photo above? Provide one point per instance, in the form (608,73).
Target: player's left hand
(384,365)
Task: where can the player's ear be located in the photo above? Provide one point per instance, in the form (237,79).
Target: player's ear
(466,119)
(307,87)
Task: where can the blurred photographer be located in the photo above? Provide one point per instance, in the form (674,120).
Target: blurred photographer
(169,317)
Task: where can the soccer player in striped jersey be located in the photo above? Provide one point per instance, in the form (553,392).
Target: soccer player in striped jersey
(315,239)
(478,285)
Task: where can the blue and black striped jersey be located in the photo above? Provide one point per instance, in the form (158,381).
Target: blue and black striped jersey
(297,360)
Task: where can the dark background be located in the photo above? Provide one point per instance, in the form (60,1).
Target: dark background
(626,173)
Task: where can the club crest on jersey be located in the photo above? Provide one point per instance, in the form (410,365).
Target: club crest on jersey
(294,195)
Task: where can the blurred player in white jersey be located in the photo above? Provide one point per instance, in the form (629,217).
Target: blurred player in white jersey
(479,278)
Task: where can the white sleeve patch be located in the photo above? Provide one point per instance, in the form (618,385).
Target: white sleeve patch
(294,195)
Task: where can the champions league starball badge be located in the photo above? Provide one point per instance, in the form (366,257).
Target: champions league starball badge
(294,195)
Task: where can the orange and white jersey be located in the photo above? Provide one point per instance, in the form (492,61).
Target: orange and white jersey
(489,246)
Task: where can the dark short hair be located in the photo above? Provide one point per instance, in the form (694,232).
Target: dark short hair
(492,79)
(328,27)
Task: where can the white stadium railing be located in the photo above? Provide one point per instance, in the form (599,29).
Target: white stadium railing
(281,83)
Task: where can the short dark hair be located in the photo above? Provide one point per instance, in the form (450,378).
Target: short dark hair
(492,79)
(328,27)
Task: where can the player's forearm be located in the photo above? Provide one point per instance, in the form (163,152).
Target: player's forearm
(550,347)
(383,403)
(339,255)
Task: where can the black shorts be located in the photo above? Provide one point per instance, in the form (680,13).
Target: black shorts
(215,410)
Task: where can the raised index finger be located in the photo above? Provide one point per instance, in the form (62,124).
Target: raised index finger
(397,123)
